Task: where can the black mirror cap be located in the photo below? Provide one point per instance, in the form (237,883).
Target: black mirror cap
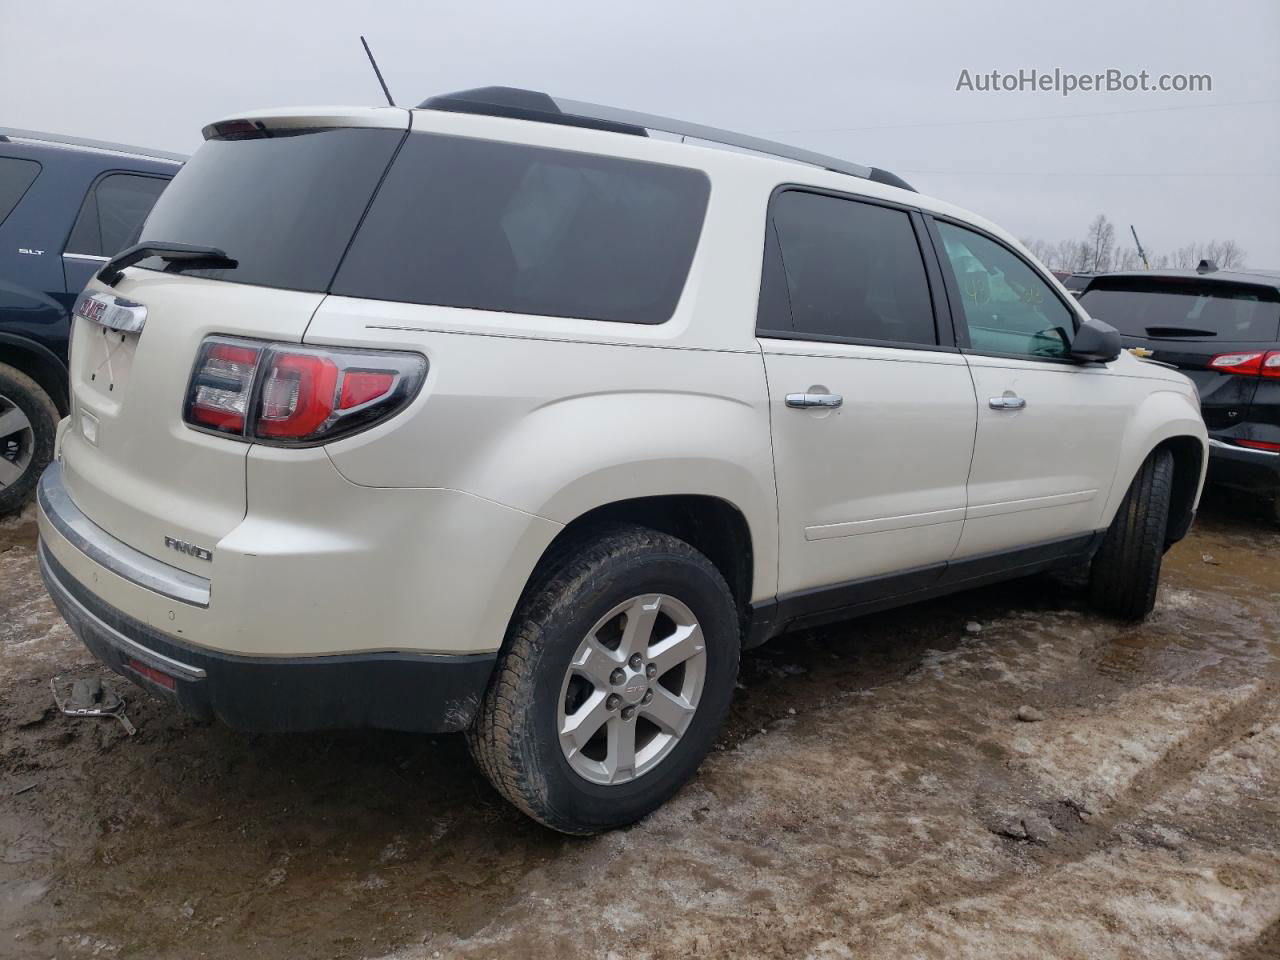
(1095,342)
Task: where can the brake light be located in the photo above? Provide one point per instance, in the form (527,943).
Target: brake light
(1259,445)
(1271,364)
(297,396)
(1248,363)
(287,394)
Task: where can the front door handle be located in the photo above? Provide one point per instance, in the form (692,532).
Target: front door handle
(802,400)
(1010,401)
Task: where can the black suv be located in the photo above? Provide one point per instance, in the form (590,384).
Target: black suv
(1222,329)
(66,206)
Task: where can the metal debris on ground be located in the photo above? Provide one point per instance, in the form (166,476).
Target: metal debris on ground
(92,698)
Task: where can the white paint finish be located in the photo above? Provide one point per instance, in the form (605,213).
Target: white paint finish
(979,511)
(557,427)
(322,566)
(1066,442)
(149,476)
(859,527)
(898,447)
(420,533)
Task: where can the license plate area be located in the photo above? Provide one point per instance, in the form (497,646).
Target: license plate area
(105,362)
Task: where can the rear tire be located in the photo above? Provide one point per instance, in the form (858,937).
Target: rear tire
(1126,570)
(28,424)
(652,592)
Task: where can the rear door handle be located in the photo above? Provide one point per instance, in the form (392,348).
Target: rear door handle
(801,400)
(1010,401)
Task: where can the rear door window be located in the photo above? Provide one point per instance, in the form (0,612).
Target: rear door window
(112,213)
(16,176)
(519,229)
(284,205)
(842,269)
(1182,309)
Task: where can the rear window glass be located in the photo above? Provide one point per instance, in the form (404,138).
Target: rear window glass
(1176,309)
(519,229)
(284,206)
(15,177)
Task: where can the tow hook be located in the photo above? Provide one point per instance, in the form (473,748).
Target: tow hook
(92,698)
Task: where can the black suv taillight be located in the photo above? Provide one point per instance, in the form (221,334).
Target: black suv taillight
(294,395)
(1249,363)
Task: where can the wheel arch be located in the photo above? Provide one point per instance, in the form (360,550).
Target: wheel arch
(1165,419)
(710,524)
(1189,456)
(40,364)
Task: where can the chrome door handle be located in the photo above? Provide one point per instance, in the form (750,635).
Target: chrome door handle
(1010,401)
(814,399)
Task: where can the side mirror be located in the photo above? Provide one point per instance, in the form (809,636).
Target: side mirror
(1095,342)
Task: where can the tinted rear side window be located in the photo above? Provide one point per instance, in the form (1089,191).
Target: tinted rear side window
(112,213)
(15,177)
(1177,309)
(284,206)
(852,270)
(519,229)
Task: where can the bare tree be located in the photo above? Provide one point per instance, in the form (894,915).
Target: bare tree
(1100,240)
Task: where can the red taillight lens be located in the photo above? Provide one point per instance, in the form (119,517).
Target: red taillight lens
(1247,362)
(218,398)
(295,395)
(1259,445)
(361,386)
(1271,364)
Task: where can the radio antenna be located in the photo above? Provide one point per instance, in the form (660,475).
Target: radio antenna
(374,63)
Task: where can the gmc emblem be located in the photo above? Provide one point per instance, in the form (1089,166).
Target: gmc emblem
(190,549)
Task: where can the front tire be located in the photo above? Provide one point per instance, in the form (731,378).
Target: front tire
(28,424)
(614,681)
(1126,570)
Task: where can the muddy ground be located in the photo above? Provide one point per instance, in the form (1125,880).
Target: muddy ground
(874,795)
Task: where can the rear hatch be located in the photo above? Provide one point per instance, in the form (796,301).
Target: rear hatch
(1188,322)
(281,196)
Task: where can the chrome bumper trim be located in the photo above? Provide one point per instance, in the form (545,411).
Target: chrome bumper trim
(1243,450)
(80,618)
(112,554)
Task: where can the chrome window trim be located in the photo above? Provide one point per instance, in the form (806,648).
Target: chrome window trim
(86,256)
(114,555)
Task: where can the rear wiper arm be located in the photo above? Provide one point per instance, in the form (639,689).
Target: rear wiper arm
(113,269)
(1174,332)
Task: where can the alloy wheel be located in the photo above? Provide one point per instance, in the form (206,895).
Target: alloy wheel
(17,442)
(631,689)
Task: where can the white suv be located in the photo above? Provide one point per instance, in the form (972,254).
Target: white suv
(508,415)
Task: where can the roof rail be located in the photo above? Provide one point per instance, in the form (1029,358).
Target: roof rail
(522,104)
(57,139)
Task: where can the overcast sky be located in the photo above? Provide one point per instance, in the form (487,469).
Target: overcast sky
(873,82)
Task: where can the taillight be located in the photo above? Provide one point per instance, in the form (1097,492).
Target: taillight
(1247,362)
(1271,364)
(297,395)
(293,395)
(218,398)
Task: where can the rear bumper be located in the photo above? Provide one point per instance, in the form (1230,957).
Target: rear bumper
(1256,471)
(396,691)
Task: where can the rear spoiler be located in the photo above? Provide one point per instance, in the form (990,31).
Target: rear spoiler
(264,123)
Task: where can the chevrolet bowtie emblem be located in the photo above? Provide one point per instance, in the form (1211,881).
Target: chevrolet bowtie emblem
(1142,352)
